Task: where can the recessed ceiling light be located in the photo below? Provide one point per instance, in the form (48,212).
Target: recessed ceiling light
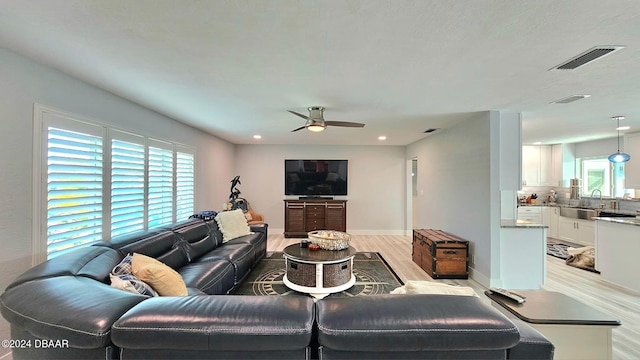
(257,137)
(537,143)
(623,128)
(382,137)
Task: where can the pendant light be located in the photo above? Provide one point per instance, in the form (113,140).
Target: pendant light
(619,157)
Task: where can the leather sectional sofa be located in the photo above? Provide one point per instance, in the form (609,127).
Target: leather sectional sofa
(65,308)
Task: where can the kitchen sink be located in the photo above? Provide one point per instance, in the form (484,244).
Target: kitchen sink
(578,213)
(589,214)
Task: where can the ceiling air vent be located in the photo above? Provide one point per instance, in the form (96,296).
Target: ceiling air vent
(588,56)
(570,99)
(430,130)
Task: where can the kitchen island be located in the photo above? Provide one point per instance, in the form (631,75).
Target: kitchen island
(617,251)
(523,249)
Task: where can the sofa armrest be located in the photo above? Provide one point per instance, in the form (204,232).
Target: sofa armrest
(217,323)
(532,344)
(262,228)
(413,323)
(72,308)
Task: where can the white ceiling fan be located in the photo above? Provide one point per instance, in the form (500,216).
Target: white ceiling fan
(316,122)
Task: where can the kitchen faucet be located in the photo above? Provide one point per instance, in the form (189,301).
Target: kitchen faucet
(599,191)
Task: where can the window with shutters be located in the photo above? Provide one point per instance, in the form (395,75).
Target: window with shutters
(103,182)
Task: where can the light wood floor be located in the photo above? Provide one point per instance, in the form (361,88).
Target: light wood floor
(579,284)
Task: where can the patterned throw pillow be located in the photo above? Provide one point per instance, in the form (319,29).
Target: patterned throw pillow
(122,278)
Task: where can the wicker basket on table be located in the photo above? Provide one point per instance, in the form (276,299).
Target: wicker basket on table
(330,239)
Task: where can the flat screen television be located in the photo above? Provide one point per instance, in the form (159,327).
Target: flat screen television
(315,177)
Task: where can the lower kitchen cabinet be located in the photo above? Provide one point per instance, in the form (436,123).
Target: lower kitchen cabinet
(550,217)
(577,231)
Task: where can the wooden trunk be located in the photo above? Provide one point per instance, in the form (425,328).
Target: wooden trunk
(440,254)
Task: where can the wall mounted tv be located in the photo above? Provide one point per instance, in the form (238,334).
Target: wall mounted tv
(315,177)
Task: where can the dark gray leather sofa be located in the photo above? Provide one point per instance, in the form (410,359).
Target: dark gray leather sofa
(68,302)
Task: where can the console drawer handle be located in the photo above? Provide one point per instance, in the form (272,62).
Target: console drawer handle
(450,252)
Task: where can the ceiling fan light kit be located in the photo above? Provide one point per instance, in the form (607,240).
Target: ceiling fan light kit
(619,157)
(317,123)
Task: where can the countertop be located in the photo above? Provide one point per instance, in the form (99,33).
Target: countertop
(620,220)
(520,224)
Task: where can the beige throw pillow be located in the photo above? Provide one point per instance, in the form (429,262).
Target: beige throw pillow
(232,224)
(163,279)
(432,287)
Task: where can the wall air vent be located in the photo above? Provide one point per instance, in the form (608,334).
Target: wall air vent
(430,130)
(570,99)
(588,56)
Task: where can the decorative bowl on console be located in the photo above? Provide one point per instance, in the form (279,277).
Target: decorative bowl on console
(330,239)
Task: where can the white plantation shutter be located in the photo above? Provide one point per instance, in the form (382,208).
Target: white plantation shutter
(160,184)
(127,183)
(99,182)
(74,189)
(184,185)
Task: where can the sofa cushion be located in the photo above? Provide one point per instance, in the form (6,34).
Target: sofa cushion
(218,323)
(195,238)
(232,224)
(240,255)
(163,279)
(211,277)
(160,245)
(413,323)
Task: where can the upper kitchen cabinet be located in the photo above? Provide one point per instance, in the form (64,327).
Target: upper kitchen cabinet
(536,165)
(632,167)
(563,164)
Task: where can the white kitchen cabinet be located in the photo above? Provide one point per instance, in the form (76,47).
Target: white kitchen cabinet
(531,214)
(632,167)
(563,164)
(536,165)
(550,215)
(577,231)
(617,253)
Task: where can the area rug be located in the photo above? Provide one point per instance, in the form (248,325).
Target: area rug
(373,276)
(559,250)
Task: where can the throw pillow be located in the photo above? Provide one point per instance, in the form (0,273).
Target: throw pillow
(122,278)
(132,284)
(162,278)
(232,224)
(432,287)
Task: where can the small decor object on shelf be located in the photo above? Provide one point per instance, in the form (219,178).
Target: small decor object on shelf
(330,239)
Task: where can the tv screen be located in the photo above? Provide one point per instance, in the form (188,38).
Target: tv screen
(315,177)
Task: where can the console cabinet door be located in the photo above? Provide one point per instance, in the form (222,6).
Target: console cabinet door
(294,218)
(336,216)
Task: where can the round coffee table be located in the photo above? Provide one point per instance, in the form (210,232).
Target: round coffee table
(318,273)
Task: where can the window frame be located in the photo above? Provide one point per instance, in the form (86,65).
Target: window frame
(43,117)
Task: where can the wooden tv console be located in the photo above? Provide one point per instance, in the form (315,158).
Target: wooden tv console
(304,215)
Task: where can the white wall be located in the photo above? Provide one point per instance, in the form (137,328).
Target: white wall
(604,147)
(458,186)
(376,184)
(23,83)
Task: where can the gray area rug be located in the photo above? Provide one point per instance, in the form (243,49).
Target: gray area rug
(373,276)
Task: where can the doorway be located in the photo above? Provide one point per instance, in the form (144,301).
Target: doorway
(412,195)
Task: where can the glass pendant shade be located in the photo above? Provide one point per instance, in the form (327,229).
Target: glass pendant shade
(619,157)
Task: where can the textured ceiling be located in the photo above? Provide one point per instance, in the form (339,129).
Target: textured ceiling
(233,68)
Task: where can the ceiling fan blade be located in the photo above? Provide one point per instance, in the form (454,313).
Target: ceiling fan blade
(344,123)
(300,128)
(298,114)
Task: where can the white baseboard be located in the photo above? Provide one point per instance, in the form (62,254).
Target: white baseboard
(353,232)
(480,277)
